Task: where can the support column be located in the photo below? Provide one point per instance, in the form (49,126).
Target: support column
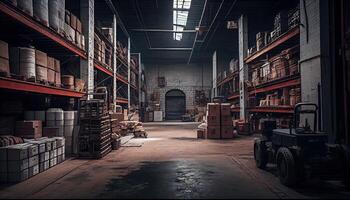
(140,82)
(215,75)
(243,68)
(88,24)
(129,92)
(114,62)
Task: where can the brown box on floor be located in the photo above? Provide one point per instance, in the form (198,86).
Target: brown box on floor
(201,134)
(213,109)
(213,120)
(226,121)
(29,129)
(226,132)
(225,109)
(213,132)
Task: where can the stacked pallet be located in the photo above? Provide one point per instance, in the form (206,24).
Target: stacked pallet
(22,161)
(95,129)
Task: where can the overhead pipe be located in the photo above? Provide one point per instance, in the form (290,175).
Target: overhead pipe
(199,25)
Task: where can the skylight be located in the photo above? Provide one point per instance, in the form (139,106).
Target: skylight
(180,14)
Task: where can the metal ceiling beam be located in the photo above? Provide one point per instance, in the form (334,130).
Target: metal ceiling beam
(119,21)
(140,19)
(163,30)
(171,49)
(199,25)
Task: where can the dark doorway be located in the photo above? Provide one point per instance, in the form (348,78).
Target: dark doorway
(175,104)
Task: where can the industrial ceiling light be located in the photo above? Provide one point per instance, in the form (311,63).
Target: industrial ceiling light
(180,15)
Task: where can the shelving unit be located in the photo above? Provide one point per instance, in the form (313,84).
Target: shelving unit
(43,34)
(274,77)
(25,86)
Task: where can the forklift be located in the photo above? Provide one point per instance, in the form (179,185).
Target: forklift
(301,152)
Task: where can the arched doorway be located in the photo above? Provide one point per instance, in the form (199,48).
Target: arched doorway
(175,104)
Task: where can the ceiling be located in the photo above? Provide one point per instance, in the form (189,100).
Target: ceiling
(158,14)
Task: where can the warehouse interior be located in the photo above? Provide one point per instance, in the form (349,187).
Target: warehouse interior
(185,99)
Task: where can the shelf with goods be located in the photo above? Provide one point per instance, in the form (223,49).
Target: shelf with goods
(20,23)
(25,86)
(228,81)
(273,71)
(51,54)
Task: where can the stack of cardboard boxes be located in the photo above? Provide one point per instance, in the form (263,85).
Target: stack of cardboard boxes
(219,121)
(22,161)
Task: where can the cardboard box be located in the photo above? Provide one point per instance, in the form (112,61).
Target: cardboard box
(73,21)
(5,66)
(53,162)
(32,171)
(4,50)
(226,121)
(17,152)
(79,27)
(213,120)
(40,58)
(3,166)
(225,109)
(3,153)
(17,176)
(227,132)
(44,166)
(41,145)
(29,129)
(33,161)
(60,141)
(44,157)
(213,109)
(17,166)
(213,132)
(201,134)
(50,70)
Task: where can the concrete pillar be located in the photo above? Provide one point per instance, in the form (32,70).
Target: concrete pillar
(87,66)
(114,62)
(243,68)
(215,75)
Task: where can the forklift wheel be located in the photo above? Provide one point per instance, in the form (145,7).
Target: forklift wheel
(260,155)
(286,167)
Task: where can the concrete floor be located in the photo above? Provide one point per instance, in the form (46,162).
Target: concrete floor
(171,163)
